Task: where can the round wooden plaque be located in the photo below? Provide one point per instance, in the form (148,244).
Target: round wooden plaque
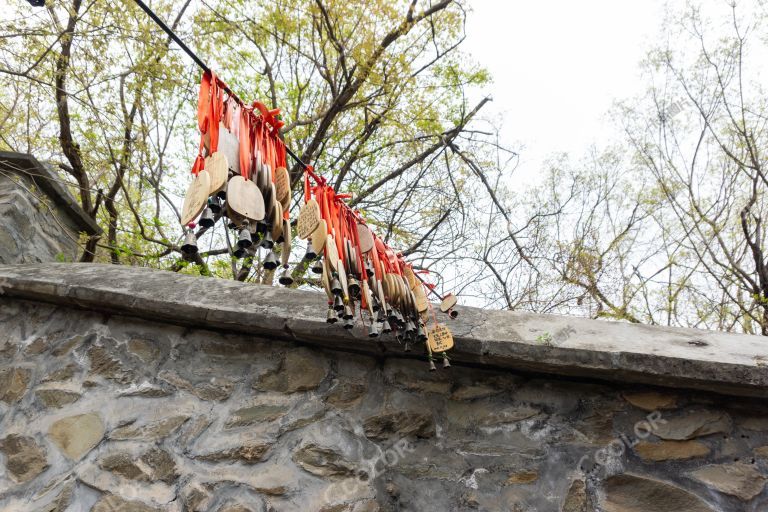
(245,199)
(309,218)
(196,198)
(319,236)
(448,302)
(366,237)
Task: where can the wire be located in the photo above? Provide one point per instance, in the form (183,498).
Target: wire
(203,66)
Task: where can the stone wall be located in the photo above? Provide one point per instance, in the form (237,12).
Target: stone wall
(105,412)
(39,219)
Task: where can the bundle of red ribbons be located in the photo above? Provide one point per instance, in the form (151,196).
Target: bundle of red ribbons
(240,174)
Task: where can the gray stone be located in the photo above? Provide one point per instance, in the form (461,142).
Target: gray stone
(651,400)
(250,453)
(692,423)
(146,350)
(56,398)
(474,392)
(113,503)
(323,462)
(149,431)
(62,374)
(576,499)
(301,370)
(399,424)
(255,414)
(216,389)
(671,450)
(346,394)
(102,363)
(13,384)
(24,458)
(77,435)
(741,480)
(634,493)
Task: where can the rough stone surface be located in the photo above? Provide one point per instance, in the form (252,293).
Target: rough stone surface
(633,493)
(671,450)
(41,221)
(77,435)
(693,423)
(741,480)
(24,458)
(186,418)
(13,383)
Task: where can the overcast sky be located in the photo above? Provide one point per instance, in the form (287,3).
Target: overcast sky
(558,65)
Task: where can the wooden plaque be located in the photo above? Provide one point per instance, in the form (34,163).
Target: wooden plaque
(245,199)
(332,253)
(196,198)
(217,167)
(365,237)
(277,221)
(309,218)
(420,297)
(448,302)
(282,184)
(319,236)
(286,242)
(229,147)
(440,339)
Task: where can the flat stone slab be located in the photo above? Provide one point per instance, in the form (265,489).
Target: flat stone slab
(725,363)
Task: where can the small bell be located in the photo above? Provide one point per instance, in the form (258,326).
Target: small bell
(222,194)
(317,267)
(338,304)
(353,286)
(206,218)
(244,239)
(270,262)
(214,204)
(385,327)
(421,336)
(453,313)
(336,286)
(331,316)
(446,363)
(286,279)
(410,328)
(310,254)
(373,330)
(267,241)
(407,346)
(190,243)
(392,317)
(399,318)
(349,313)
(239,252)
(231,224)
(349,324)
(432,366)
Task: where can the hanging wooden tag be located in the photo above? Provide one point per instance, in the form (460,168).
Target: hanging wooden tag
(245,199)
(277,221)
(286,242)
(331,252)
(326,279)
(368,297)
(229,147)
(282,184)
(440,339)
(217,167)
(319,236)
(448,302)
(309,218)
(343,279)
(411,277)
(365,237)
(420,297)
(196,198)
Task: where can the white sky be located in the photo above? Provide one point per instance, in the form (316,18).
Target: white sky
(558,66)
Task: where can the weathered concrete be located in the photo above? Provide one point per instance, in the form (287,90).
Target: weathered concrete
(39,220)
(724,363)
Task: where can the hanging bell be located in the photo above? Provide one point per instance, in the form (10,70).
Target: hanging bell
(421,336)
(385,327)
(267,241)
(190,243)
(446,362)
(353,286)
(349,313)
(214,204)
(310,254)
(317,267)
(373,330)
(432,366)
(349,324)
(410,328)
(206,218)
(286,279)
(244,239)
(392,317)
(331,316)
(222,194)
(399,318)
(240,252)
(338,304)
(270,262)
(407,347)
(453,313)
(336,286)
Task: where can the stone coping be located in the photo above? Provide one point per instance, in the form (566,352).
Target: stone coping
(731,364)
(48,182)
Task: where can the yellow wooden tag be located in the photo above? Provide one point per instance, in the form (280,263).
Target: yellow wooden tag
(196,198)
(309,218)
(440,338)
